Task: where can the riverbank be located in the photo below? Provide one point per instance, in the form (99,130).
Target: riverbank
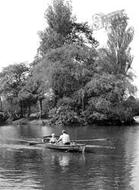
(43,122)
(25,121)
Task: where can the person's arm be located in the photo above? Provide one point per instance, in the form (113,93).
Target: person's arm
(60,138)
(50,140)
(55,140)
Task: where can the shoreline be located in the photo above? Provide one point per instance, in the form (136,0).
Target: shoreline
(25,121)
(43,122)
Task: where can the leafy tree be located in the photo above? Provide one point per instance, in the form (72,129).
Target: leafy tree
(62,28)
(67,69)
(116,58)
(62,51)
(112,84)
(58,17)
(97,83)
(32,93)
(12,80)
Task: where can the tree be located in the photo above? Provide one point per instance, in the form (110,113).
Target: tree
(116,58)
(58,17)
(96,82)
(12,80)
(33,92)
(62,28)
(112,84)
(64,48)
(67,69)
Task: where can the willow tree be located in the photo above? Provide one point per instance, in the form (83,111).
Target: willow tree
(65,51)
(62,31)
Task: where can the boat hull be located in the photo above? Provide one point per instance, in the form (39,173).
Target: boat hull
(74,147)
(67,148)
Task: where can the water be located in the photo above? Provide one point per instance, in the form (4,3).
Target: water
(24,167)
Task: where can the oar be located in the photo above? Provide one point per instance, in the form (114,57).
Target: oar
(75,140)
(102,139)
(46,139)
(12,139)
(88,140)
(49,136)
(35,143)
(30,142)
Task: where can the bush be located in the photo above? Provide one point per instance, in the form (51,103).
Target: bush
(3,117)
(63,115)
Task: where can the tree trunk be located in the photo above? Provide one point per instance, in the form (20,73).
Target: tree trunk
(40,108)
(21,109)
(1,104)
(29,110)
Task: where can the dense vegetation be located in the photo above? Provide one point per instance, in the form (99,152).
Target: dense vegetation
(71,79)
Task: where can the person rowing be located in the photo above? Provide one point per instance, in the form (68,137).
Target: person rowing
(64,138)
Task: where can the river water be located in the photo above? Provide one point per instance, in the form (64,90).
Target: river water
(114,166)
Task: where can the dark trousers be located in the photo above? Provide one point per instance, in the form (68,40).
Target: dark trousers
(68,143)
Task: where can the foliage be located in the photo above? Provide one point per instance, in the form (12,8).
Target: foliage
(3,117)
(62,28)
(70,81)
(98,82)
(12,80)
(64,113)
(117,57)
(58,16)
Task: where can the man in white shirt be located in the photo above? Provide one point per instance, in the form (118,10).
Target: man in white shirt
(64,138)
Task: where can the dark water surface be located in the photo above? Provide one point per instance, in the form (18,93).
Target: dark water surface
(113,167)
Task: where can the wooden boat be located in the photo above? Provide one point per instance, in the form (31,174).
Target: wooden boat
(73,147)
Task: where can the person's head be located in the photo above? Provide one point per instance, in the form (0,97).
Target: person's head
(53,135)
(63,131)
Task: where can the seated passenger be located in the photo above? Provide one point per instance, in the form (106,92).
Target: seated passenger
(53,138)
(64,138)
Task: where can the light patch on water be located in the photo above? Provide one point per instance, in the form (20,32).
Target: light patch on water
(11,147)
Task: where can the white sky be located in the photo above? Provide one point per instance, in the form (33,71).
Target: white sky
(20,21)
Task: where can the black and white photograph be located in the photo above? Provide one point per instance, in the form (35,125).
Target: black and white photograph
(69,95)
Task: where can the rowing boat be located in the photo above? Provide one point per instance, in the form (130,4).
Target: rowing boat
(73,147)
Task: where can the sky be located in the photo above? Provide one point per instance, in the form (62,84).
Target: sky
(21,20)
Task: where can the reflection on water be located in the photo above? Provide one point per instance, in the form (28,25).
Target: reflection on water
(30,167)
(64,159)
